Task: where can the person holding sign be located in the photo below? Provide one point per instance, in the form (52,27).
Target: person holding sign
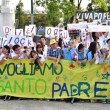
(54,53)
(82,54)
(2,56)
(6,51)
(17,53)
(68,53)
(92,55)
(45,47)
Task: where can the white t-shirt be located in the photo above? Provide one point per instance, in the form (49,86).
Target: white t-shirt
(1,56)
(42,59)
(13,54)
(45,51)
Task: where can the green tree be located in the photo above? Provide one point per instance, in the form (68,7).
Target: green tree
(41,20)
(20,14)
(98,5)
(57,9)
(68,10)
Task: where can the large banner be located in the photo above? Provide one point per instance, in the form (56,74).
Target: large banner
(22,78)
(94,15)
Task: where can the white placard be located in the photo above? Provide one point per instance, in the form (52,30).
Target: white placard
(79,26)
(52,32)
(29,42)
(27,31)
(7,30)
(64,35)
(20,40)
(32,30)
(3,41)
(98,28)
(19,32)
(108,22)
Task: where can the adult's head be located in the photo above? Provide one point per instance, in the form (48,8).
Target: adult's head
(95,35)
(6,49)
(43,40)
(81,48)
(53,43)
(39,47)
(71,44)
(17,49)
(93,48)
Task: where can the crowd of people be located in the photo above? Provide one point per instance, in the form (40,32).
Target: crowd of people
(95,49)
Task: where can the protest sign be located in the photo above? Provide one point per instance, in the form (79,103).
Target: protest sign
(84,81)
(7,30)
(20,40)
(64,35)
(19,32)
(52,32)
(27,31)
(98,28)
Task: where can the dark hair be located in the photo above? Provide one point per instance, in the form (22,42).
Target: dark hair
(15,47)
(94,36)
(80,46)
(33,51)
(92,48)
(108,40)
(43,37)
(7,48)
(60,42)
(36,60)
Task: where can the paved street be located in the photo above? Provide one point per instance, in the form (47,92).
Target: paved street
(50,105)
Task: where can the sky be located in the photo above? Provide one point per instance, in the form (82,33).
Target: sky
(27,3)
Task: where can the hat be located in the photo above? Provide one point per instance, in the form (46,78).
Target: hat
(56,38)
(52,41)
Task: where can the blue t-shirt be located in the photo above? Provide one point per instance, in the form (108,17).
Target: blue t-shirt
(82,55)
(89,56)
(68,54)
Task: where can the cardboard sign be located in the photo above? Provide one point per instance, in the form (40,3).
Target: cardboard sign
(108,22)
(52,32)
(79,26)
(3,41)
(32,29)
(29,42)
(7,30)
(19,32)
(64,35)
(27,31)
(20,40)
(98,28)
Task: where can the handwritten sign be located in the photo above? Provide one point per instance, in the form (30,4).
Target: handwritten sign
(19,32)
(45,81)
(20,40)
(98,28)
(64,34)
(7,30)
(52,32)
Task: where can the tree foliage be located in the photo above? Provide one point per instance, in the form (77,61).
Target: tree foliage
(98,5)
(20,14)
(57,9)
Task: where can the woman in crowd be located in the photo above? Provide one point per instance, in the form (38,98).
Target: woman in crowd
(92,55)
